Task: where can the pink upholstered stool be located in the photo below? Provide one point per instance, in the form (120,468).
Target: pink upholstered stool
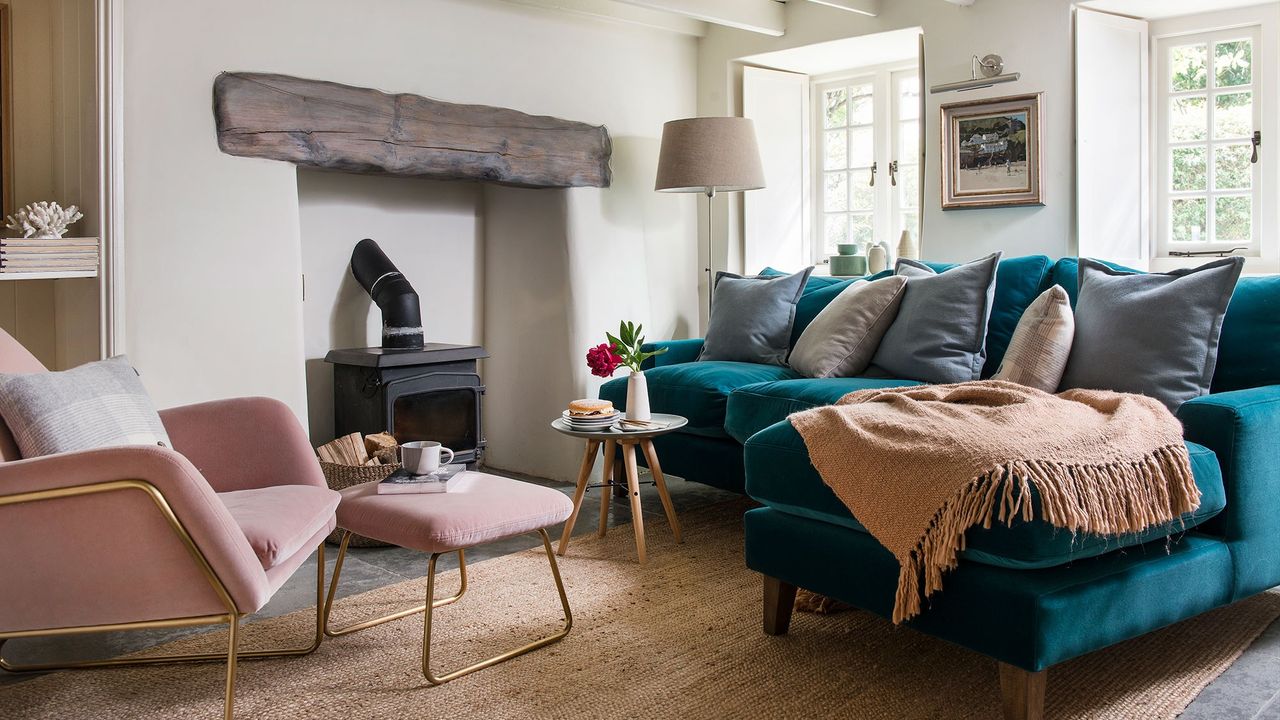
(478,508)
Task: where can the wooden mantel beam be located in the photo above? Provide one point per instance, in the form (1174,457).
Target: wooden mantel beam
(360,130)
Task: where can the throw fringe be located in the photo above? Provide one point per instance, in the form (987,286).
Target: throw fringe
(811,602)
(1103,499)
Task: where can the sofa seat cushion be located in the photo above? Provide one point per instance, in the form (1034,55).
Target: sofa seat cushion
(278,521)
(755,407)
(697,390)
(780,475)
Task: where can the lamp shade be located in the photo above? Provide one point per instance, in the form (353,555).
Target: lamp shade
(709,153)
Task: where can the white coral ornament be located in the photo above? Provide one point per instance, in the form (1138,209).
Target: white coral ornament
(43,220)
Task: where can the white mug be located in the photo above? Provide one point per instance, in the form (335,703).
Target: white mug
(422,457)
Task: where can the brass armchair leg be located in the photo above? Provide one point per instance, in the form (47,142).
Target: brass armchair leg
(435,679)
(233,642)
(366,624)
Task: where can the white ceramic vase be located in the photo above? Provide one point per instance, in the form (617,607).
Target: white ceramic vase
(637,397)
(877,259)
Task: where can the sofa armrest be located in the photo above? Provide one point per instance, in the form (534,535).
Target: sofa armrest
(244,443)
(94,530)
(1242,427)
(678,351)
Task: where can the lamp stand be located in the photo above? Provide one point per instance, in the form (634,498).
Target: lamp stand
(711,196)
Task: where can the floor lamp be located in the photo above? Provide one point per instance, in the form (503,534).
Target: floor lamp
(709,155)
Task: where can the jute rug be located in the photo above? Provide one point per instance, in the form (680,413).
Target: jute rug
(677,638)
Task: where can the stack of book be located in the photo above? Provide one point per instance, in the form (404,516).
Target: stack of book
(48,255)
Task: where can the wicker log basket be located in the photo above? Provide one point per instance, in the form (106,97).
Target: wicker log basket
(356,466)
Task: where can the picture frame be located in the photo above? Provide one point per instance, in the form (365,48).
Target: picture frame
(991,152)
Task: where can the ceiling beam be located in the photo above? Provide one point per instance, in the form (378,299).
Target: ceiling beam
(761,16)
(862,7)
(616,12)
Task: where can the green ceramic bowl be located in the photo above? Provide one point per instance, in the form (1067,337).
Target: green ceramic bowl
(847,248)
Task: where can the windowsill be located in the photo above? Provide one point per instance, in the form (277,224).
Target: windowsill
(1252,265)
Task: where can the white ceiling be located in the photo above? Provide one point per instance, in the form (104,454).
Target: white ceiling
(843,54)
(1156,9)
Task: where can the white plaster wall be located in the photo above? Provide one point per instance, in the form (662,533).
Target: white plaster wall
(214,248)
(1033,36)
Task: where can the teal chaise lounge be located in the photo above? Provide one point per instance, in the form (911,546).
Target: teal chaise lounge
(1024,595)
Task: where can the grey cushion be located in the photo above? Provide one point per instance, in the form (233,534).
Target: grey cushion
(100,404)
(751,317)
(1150,333)
(940,334)
(842,339)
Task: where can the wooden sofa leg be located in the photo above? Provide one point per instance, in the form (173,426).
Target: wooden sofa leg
(1022,693)
(779,600)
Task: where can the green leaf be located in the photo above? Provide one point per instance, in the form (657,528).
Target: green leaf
(613,340)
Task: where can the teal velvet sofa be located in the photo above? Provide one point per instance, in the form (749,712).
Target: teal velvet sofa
(1026,595)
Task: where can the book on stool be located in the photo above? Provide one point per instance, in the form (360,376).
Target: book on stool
(403,482)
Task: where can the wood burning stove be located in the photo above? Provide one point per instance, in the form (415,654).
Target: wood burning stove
(429,394)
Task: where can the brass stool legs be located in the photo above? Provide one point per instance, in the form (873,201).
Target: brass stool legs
(431,604)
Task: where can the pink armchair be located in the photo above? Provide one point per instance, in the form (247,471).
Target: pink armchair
(147,537)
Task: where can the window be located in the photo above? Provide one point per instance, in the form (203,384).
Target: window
(867,158)
(1208,184)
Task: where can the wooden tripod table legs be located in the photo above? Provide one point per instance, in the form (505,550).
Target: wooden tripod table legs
(632,485)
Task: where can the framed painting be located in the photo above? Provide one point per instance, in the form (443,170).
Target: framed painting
(991,152)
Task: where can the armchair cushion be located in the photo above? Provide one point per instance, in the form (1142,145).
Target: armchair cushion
(99,404)
(280,521)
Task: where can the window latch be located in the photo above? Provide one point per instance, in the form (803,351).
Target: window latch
(1257,140)
(893,173)
(873,175)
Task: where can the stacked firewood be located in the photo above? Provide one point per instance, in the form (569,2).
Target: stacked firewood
(370,450)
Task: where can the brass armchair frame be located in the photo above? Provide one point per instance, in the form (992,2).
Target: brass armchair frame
(231,618)
(432,603)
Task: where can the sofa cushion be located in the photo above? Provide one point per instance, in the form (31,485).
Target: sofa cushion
(697,390)
(819,290)
(277,521)
(940,334)
(780,475)
(1019,281)
(842,339)
(1066,275)
(1249,348)
(755,407)
(752,317)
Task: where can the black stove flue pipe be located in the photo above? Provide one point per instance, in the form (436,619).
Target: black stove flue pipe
(401,314)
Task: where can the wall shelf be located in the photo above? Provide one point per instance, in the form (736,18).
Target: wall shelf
(48,275)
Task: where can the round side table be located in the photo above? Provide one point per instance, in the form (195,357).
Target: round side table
(611,439)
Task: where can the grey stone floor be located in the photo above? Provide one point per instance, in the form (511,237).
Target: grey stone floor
(1249,689)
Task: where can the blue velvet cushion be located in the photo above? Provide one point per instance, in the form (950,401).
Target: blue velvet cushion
(697,390)
(755,407)
(780,475)
(1249,348)
(1066,274)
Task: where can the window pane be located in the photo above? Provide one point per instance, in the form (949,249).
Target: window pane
(1233,115)
(864,196)
(860,229)
(908,185)
(1231,167)
(1186,219)
(909,221)
(836,231)
(1232,220)
(1232,62)
(1190,171)
(836,150)
(861,107)
(1187,67)
(836,108)
(909,98)
(1188,119)
(908,142)
(862,150)
(836,194)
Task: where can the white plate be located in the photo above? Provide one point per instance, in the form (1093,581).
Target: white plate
(590,419)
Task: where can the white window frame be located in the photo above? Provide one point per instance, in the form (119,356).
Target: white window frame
(886,205)
(1165,194)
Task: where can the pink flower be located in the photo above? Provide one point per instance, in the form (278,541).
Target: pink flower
(603,359)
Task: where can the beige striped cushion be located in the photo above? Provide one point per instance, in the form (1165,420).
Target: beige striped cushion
(1037,354)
